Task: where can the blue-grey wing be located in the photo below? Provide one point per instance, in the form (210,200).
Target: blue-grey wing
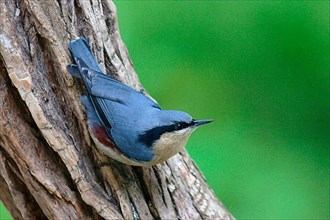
(115,104)
(109,88)
(120,109)
(113,98)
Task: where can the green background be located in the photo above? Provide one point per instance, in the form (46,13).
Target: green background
(260,69)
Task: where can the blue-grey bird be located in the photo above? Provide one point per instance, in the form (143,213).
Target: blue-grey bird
(125,124)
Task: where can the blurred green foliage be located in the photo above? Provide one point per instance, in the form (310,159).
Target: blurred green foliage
(261,70)
(4,214)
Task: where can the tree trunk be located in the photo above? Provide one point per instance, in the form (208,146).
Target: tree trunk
(47,158)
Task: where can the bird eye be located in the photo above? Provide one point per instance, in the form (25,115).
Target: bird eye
(180,126)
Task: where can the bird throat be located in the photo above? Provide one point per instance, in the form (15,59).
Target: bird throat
(169,144)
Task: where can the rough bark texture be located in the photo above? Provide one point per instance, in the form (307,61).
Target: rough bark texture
(46,154)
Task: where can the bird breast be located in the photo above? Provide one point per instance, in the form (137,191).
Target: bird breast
(170,143)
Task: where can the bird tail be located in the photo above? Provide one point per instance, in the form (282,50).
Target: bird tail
(81,52)
(86,66)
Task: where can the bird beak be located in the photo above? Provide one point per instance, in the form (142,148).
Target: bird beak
(197,123)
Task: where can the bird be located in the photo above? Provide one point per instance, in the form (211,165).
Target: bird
(125,124)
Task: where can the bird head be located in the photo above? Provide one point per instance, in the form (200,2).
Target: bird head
(170,134)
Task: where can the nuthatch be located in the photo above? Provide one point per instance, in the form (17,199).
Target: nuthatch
(125,124)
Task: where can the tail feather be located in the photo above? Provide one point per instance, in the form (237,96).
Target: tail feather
(73,70)
(81,51)
(85,61)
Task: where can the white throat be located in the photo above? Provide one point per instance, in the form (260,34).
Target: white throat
(170,143)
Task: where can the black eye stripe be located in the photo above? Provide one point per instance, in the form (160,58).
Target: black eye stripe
(150,136)
(180,125)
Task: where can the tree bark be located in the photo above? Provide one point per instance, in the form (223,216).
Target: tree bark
(47,158)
